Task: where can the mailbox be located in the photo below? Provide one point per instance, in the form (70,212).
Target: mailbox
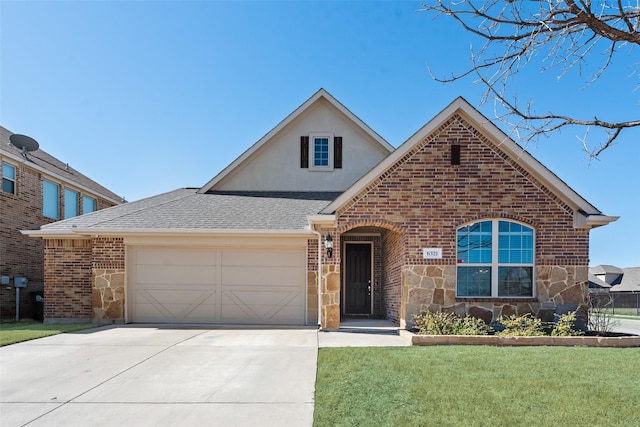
(20,282)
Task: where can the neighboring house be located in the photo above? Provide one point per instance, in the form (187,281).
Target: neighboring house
(321,219)
(602,277)
(623,284)
(37,189)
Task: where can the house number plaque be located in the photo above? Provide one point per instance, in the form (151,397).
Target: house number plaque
(432,253)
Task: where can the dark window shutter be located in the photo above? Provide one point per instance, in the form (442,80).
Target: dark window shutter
(304,151)
(455,154)
(337,152)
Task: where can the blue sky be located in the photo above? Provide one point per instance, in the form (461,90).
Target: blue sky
(148,96)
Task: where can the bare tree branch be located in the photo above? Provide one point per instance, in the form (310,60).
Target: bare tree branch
(566,35)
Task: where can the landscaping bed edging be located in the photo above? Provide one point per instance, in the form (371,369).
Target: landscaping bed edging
(497,340)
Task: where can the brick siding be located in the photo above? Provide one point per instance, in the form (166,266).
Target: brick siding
(423,199)
(21,255)
(67,290)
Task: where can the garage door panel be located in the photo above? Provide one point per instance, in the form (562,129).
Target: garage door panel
(261,257)
(170,256)
(150,313)
(154,303)
(285,316)
(262,276)
(175,275)
(167,295)
(269,297)
(244,286)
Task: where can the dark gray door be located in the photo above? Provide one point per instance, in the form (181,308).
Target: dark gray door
(357,279)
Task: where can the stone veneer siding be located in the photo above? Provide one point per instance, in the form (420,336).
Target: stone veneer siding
(433,288)
(424,199)
(108,272)
(330,287)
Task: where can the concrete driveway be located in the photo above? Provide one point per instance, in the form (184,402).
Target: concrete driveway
(159,376)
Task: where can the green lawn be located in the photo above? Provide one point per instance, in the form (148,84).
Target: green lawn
(13,332)
(477,386)
(632,312)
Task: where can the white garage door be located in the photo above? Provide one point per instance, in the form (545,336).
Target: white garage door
(241,286)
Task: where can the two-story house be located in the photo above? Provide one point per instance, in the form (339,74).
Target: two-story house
(37,189)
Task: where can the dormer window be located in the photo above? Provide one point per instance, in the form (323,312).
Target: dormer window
(321,152)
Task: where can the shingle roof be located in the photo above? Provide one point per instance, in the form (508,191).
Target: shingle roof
(630,281)
(187,209)
(49,163)
(594,282)
(605,269)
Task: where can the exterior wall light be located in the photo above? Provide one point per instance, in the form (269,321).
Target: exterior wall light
(328,244)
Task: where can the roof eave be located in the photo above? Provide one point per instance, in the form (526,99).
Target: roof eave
(321,220)
(586,221)
(113,232)
(52,234)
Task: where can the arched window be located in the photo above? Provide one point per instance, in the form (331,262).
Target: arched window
(495,259)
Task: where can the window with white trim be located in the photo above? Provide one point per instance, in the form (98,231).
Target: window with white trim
(70,203)
(50,199)
(495,259)
(8,178)
(321,151)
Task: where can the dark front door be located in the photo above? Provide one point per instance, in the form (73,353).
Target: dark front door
(357,286)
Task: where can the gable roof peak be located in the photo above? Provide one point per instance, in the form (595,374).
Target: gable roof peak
(321,93)
(585,214)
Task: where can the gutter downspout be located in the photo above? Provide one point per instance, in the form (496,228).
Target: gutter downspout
(319,275)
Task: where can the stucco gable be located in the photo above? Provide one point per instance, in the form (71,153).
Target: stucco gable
(585,215)
(273,163)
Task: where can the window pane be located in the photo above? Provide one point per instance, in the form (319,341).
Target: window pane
(321,152)
(515,243)
(70,203)
(50,199)
(8,171)
(8,178)
(88,204)
(474,243)
(8,186)
(474,282)
(515,281)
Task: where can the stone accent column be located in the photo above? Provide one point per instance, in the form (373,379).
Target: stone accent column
(330,296)
(108,295)
(312,297)
(108,278)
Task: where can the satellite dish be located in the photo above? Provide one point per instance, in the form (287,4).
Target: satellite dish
(24,143)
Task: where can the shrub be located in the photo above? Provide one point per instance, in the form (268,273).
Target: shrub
(565,326)
(438,323)
(519,326)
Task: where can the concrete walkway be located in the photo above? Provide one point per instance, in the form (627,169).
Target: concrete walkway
(161,376)
(363,333)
